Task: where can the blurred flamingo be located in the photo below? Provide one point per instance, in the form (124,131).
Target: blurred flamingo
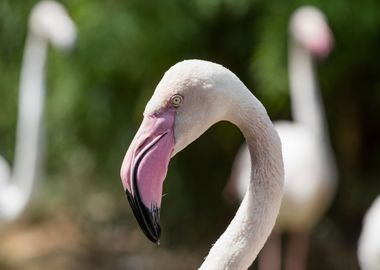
(48,21)
(310,171)
(369,241)
(189,99)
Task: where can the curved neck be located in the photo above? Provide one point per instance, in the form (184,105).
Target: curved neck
(239,245)
(307,108)
(29,122)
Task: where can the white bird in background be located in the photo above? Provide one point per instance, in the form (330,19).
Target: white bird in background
(48,21)
(369,241)
(189,99)
(310,170)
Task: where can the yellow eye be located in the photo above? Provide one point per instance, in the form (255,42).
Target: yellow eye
(176,100)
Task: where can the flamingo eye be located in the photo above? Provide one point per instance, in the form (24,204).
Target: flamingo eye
(176,100)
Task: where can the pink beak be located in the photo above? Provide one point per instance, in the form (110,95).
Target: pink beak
(144,169)
(322,44)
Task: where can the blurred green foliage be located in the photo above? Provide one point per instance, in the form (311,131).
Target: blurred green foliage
(97,93)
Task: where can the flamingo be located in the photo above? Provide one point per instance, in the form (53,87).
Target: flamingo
(310,171)
(48,21)
(369,241)
(192,96)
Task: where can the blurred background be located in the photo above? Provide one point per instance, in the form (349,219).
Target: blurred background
(79,217)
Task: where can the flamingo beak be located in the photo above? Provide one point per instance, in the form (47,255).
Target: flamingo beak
(322,44)
(144,169)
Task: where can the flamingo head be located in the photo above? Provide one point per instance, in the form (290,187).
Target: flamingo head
(309,27)
(50,21)
(179,111)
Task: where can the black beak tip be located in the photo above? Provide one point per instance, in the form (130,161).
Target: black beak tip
(156,238)
(148,219)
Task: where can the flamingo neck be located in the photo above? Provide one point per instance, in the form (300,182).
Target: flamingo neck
(307,107)
(29,122)
(239,245)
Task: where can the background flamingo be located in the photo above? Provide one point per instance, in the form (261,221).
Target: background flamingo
(310,172)
(48,21)
(190,91)
(369,242)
